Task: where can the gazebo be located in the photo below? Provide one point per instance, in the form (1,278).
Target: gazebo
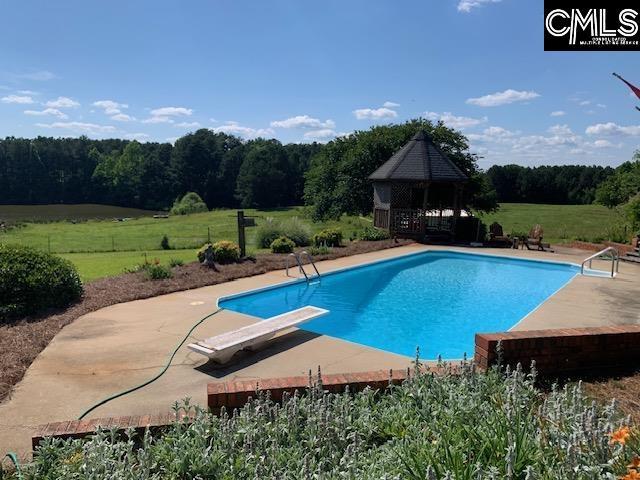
(418,192)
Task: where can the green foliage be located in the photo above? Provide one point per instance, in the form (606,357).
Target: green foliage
(201,252)
(296,230)
(176,262)
(282,245)
(156,271)
(320,250)
(374,234)
(471,426)
(330,237)
(268,231)
(164,243)
(225,251)
(337,181)
(188,204)
(632,211)
(622,185)
(292,228)
(31,280)
(263,175)
(557,184)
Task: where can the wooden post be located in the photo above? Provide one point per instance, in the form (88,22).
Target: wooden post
(241,236)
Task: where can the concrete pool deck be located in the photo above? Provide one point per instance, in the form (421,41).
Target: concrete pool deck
(117,347)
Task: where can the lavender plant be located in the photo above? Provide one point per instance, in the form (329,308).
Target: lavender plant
(464,426)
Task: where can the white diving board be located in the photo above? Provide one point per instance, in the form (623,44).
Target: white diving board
(222,347)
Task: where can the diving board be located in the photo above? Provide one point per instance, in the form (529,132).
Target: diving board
(222,347)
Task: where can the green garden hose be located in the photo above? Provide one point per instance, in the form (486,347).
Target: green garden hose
(14,458)
(162,372)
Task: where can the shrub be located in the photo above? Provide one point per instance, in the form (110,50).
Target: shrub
(155,271)
(225,251)
(175,262)
(471,426)
(632,212)
(201,252)
(374,234)
(164,243)
(31,280)
(190,203)
(282,245)
(321,250)
(330,237)
(268,231)
(298,231)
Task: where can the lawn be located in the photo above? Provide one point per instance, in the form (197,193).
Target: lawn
(104,247)
(561,223)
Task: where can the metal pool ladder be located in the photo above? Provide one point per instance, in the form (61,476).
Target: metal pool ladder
(614,257)
(298,258)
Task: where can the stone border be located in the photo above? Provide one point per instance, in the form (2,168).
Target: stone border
(562,352)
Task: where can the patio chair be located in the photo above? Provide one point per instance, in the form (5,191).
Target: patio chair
(534,240)
(497,236)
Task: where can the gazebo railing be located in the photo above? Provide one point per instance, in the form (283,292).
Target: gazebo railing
(416,221)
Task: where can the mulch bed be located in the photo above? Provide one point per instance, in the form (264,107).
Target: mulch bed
(22,340)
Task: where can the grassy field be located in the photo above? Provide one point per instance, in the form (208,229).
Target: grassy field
(561,223)
(145,233)
(48,213)
(104,247)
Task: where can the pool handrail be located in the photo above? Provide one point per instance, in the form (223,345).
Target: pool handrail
(615,260)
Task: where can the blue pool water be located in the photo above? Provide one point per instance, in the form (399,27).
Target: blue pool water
(436,301)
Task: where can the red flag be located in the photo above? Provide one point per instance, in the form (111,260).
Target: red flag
(635,89)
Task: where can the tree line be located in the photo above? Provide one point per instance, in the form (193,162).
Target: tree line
(224,170)
(558,185)
(227,171)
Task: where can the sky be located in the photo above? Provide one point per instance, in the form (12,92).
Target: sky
(303,71)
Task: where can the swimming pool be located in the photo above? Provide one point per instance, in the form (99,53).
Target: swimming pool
(434,300)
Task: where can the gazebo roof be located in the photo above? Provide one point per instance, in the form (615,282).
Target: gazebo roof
(419,160)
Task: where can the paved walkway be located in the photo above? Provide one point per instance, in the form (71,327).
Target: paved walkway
(120,346)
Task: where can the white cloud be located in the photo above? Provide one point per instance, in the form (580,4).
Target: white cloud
(187,125)
(612,129)
(166,114)
(303,121)
(28,92)
(374,113)
(503,98)
(584,103)
(322,134)
(388,104)
(40,76)
(141,137)
(467,5)
(54,112)
(110,107)
(20,99)
(158,120)
(172,140)
(234,128)
(172,112)
(603,144)
(62,102)
(79,127)
(122,117)
(454,121)
(601,105)
(558,113)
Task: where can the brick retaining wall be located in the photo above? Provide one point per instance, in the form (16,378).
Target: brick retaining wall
(564,351)
(233,395)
